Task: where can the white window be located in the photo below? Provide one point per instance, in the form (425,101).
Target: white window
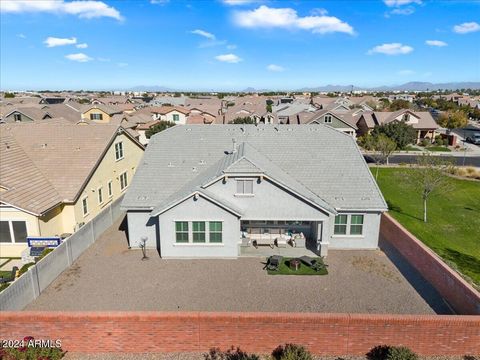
(96,116)
(176,117)
(13,231)
(100,195)
(123,181)
(348,224)
(110,190)
(85,206)
(328,119)
(356,225)
(17,117)
(245,187)
(119,151)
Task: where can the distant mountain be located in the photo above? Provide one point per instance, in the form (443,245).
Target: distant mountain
(410,86)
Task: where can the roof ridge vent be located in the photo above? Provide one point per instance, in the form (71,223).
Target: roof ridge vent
(170,164)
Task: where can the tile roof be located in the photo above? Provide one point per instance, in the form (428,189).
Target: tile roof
(293,155)
(44,164)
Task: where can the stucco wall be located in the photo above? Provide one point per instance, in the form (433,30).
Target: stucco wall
(198,210)
(10,213)
(105,116)
(268,203)
(368,240)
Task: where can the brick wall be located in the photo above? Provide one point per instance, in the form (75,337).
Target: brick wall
(463,298)
(326,334)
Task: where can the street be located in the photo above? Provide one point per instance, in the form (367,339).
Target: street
(409,159)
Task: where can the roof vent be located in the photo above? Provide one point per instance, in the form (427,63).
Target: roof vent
(234,146)
(43,146)
(202,162)
(170,164)
(194,169)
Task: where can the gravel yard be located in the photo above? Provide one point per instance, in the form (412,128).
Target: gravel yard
(109,276)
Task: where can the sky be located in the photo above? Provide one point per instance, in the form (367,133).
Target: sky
(234,44)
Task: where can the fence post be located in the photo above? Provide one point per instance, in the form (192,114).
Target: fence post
(33,271)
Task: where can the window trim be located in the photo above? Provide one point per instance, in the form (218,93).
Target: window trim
(343,224)
(177,232)
(349,224)
(119,153)
(176,117)
(12,233)
(362,224)
(94,115)
(244,194)
(100,195)
(197,232)
(126,180)
(85,214)
(210,232)
(110,188)
(329,118)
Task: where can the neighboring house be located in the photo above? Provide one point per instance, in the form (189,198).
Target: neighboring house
(27,114)
(99,113)
(407,97)
(200,189)
(56,177)
(344,122)
(421,121)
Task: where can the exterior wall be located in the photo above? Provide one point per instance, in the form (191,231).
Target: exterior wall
(140,224)
(195,332)
(108,170)
(142,139)
(268,203)
(105,116)
(369,238)
(198,210)
(362,127)
(169,117)
(51,224)
(11,213)
(452,287)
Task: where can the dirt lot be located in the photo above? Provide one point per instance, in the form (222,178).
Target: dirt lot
(109,276)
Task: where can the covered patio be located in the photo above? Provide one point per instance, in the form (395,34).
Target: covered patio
(290,238)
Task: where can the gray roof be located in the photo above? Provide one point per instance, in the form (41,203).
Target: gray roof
(317,162)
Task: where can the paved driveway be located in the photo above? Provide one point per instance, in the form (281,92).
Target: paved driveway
(108,276)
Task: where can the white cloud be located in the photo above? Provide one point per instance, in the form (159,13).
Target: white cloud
(394,3)
(80,57)
(229,58)
(204,33)
(82,46)
(275,68)
(159,2)
(22,36)
(409,10)
(266,17)
(53,41)
(467,27)
(231,47)
(438,43)
(406,72)
(238,2)
(122,64)
(391,49)
(103,59)
(83,9)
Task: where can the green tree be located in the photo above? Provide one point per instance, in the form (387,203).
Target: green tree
(400,132)
(242,120)
(453,119)
(8,95)
(269,108)
(399,104)
(429,176)
(162,125)
(384,147)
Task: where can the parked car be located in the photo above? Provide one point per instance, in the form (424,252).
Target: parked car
(474,138)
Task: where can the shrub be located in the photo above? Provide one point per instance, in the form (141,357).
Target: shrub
(440,142)
(425,142)
(231,354)
(24,268)
(291,352)
(30,352)
(387,352)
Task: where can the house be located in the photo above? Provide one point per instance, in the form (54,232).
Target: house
(201,189)
(421,121)
(343,121)
(99,113)
(56,176)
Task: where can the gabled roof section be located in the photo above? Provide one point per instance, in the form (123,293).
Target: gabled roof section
(243,166)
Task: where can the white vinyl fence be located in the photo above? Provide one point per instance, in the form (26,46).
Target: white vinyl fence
(28,287)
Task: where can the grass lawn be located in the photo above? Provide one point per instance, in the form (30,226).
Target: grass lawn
(5,273)
(453,228)
(412,148)
(284,269)
(438,149)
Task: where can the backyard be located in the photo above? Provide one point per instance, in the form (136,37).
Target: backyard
(109,276)
(453,227)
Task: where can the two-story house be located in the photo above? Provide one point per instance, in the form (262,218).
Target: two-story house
(54,177)
(206,191)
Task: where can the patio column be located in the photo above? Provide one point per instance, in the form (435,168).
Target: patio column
(322,237)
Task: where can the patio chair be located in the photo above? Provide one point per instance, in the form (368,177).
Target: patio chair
(10,277)
(273,262)
(312,263)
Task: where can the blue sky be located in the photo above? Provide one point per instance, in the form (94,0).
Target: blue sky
(234,44)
